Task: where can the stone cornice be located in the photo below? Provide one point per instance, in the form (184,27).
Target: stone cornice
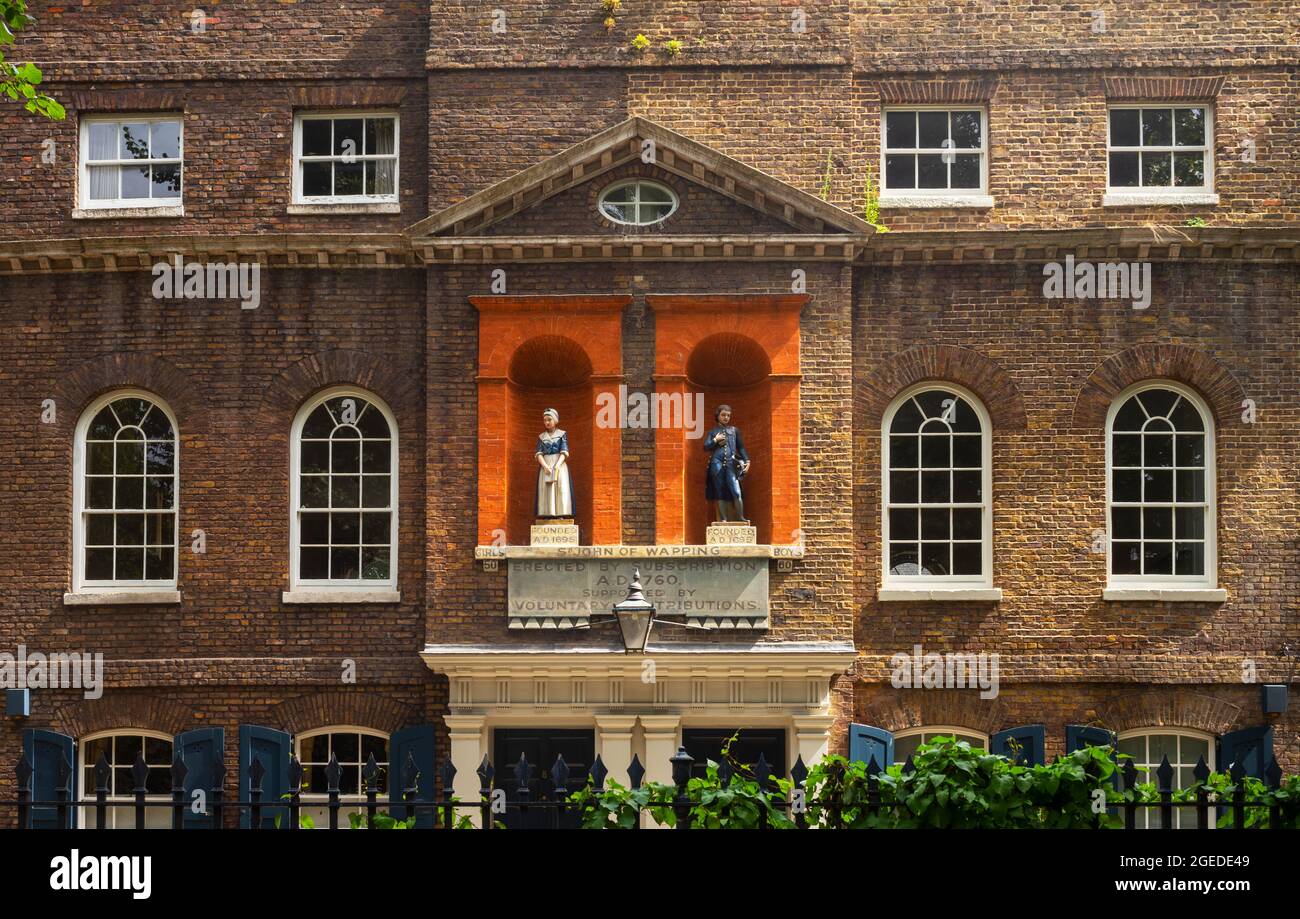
(1269,245)
(141,253)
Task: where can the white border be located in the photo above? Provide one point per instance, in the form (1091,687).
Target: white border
(927,583)
(952,197)
(330,586)
(79,584)
(1120,195)
(1143,582)
(84,203)
(297,199)
(600,200)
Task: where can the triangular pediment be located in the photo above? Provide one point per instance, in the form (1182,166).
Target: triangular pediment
(781,210)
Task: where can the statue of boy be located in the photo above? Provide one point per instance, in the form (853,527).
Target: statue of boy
(728,464)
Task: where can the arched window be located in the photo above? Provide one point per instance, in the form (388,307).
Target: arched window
(1160,458)
(937,522)
(344,493)
(353,748)
(1149,747)
(907,742)
(126,480)
(121,748)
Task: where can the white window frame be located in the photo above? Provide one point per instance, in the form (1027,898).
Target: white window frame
(298,158)
(1207,581)
(944,730)
(1150,775)
(637,182)
(982,150)
(79,509)
(86,819)
(332,585)
(83,165)
(1173,190)
(316,799)
(923,581)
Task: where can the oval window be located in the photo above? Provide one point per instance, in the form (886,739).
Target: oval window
(637,203)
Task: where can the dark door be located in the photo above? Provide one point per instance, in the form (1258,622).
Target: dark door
(541,746)
(706,744)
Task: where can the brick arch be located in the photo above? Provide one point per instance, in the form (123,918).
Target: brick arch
(919,710)
(1216,384)
(312,711)
(122,711)
(944,364)
(1175,708)
(132,370)
(286,393)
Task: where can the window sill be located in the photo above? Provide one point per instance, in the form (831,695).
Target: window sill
(118,213)
(1125,199)
(122,598)
(901,201)
(1167,594)
(923,594)
(344,208)
(333,596)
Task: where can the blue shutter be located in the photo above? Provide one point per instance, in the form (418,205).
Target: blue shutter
(1078,736)
(1031,738)
(46,751)
(273,748)
(1252,747)
(202,751)
(866,742)
(415,741)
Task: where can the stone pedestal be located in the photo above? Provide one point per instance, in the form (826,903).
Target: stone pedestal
(554,533)
(731,534)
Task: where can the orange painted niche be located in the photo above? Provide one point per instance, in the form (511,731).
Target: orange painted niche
(743,351)
(539,352)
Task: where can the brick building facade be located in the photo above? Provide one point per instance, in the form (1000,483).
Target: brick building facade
(476,278)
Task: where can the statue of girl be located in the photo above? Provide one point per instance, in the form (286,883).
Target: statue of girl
(554,487)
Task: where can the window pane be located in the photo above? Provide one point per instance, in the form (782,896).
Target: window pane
(903,487)
(1125,127)
(1158,523)
(316,137)
(900,171)
(103,182)
(314,456)
(1123,170)
(314,529)
(348,178)
(1191,485)
(345,528)
(345,491)
(1158,485)
(1126,523)
(903,558)
(103,141)
(1189,169)
(99,564)
(1131,417)
(1126,450)
(1157,127)
(375,491)
(1158,558)
(1126,485)
(932,172)
(934,559)
(1158,450)
(316,179)
(935,524)
(314,564)
(932,128)
(1190,559)
(134,142)
(1189,127)
(966,523)
(347,137)
(129,493)
(967,559)
(903,523)
(1189,523)
(936,452)
(159,563)
(1190,449)
(1126,558)
(967,487)
(129,564)
(315,491)
(166,181)
(935,487)
(966,129)
(967,452)
(160,492)
(129,529)
(135,182)
(374,562)
(1156,170)
(344,563)
(165,140)
(966,171)
(900,130)
(345,456)
(375,528)
(99,493)
(99,530)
